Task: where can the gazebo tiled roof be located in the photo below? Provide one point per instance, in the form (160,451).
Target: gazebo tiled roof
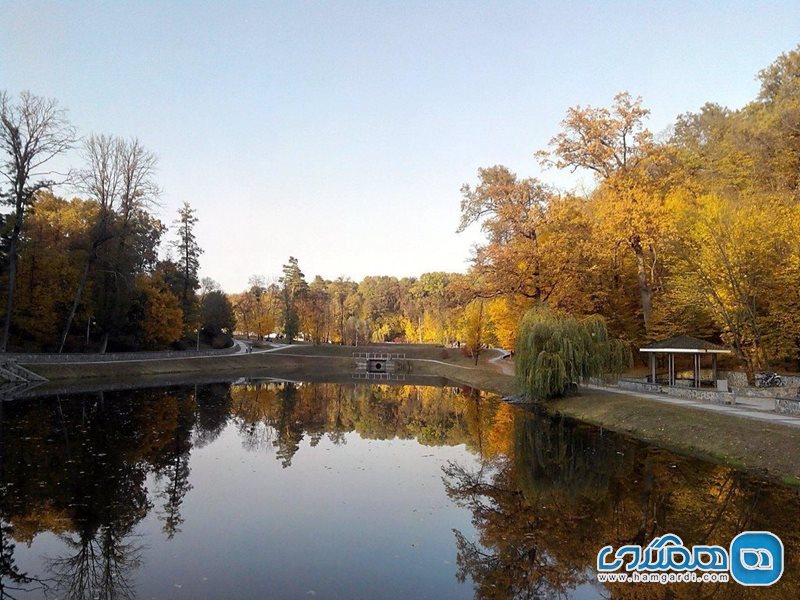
(685,344)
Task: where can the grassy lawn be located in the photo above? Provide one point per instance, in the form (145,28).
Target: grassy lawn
(430,351)
(735,441)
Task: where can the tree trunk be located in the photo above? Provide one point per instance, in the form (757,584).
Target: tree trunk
(75,302)
(645,289)
(12,268)
(90,258)
(342,341)
(12,280)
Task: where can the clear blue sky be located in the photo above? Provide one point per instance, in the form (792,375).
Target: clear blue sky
(341,132)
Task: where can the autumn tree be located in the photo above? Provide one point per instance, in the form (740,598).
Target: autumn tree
(258,307)
(775,130)
(267,304)
(51,259)
(256,294)
(735,246)
(188,257)
(738,257)
(379,306)
(136,235)
(511,213)
(476,327)
(91,261)
(244,310)
(217,316)
(339,290)
(615,145)
(540,246)
(294,287)
(162,317)
(118,176)
(503,312)
(314,313)
(100,180)
(432,306)
(33,131)
(113,290)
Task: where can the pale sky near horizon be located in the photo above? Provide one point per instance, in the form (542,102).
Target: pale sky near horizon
(341,132)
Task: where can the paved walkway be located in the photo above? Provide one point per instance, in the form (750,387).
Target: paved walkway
(505,367)
(503,364)
(735,410)
(758,409)
(242,346)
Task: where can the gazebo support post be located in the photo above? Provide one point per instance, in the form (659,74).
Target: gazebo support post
(671,361)
(688,346)
(714,374)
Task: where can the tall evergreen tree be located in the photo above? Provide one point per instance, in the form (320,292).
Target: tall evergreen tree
(188,259)
(294,287)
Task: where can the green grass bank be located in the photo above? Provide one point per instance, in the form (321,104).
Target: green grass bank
(772,449)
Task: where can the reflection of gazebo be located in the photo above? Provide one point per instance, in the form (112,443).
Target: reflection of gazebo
(684,344)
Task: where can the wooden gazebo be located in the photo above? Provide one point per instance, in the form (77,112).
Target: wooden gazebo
(686,345)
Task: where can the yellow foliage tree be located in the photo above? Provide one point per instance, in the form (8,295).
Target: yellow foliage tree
(738,256)
(476,328)
(163,317)
(50,264)
(504,313)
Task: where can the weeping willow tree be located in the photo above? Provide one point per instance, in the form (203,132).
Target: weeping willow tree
(555,352)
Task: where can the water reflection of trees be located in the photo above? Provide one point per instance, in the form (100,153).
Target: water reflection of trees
(545,497)
(273,416)
(99,564)
(78,467)
(543,511)
(12,580)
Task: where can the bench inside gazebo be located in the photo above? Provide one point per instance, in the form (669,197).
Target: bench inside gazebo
(688,346)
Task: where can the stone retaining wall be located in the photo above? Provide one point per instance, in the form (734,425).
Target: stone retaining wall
(602,381)
(36,358)
(704,395)
(690,393)
(735,378)
(639,385)
(788,406)
(737,381)
(791,380)
(785,391)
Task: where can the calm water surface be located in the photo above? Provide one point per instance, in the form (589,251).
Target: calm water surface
(283,490)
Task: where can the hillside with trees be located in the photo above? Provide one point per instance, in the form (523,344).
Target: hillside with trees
(690,230)
(86,273)
(693,230)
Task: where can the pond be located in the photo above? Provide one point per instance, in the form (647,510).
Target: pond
(271,489)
